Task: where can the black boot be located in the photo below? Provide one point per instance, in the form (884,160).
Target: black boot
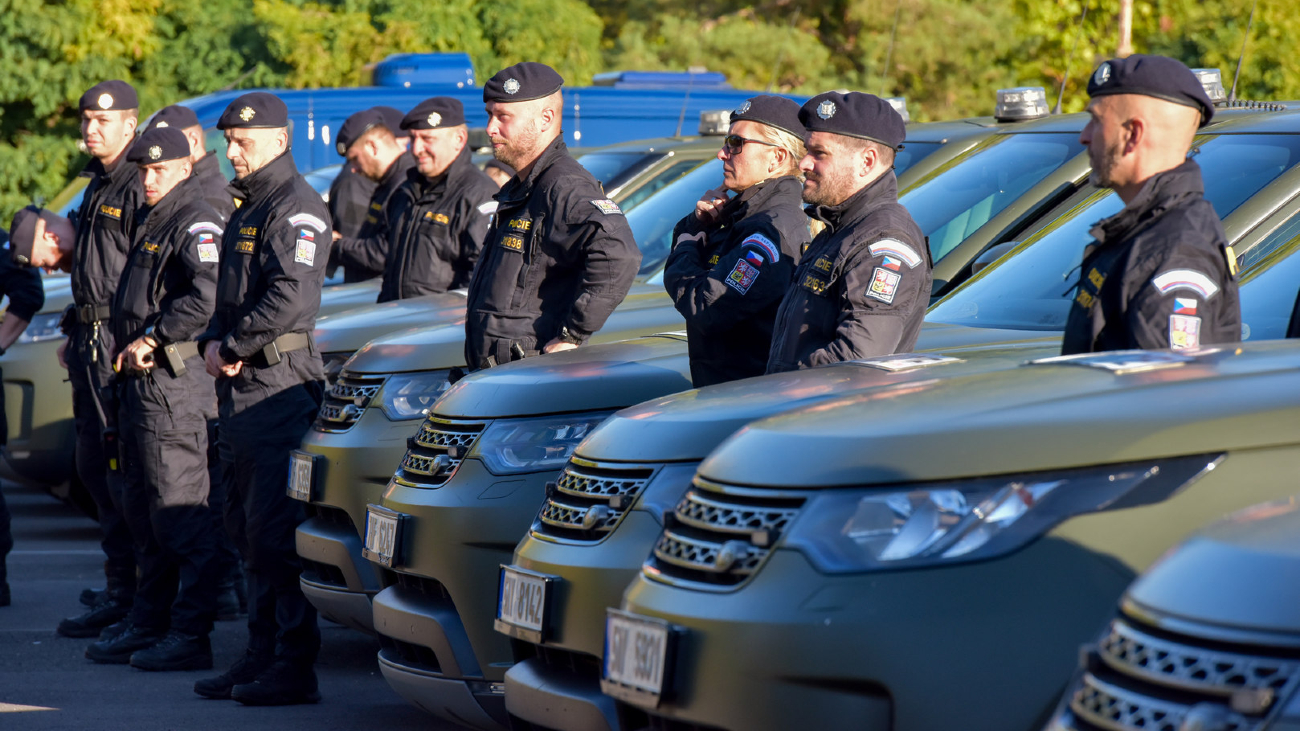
(90,596)
(176,651)
(245,670)
(227,604)
(110,609)
(118,650)
(284,683)
(114,629)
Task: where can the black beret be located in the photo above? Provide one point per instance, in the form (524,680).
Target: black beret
(109,95)
(522,82)
(774,111)
(356,125)
(1157,76)
(255,110)
(854,114)
(173,116)
(393,120)
(22,235)
(159,144)
(439,112)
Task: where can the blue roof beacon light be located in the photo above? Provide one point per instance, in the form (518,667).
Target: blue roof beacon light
(424,69)
(1020,103)
(1212,81)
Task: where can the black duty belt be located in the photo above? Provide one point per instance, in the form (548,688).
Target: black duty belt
(273,352)
(90,314)
(171,357)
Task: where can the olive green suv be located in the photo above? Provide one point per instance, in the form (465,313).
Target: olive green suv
(1207,638)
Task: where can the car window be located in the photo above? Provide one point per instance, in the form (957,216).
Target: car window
(959,197)
(613,169)
(1270,286)
(912,153)
(1030,288)
(652,222)
(661,179)
(215,141)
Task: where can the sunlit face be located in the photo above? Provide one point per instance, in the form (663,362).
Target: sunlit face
(829,170)
(159,178)
(106,133)
(1105,135)
(514,130)
(436,149)
(751,162)
(249,150)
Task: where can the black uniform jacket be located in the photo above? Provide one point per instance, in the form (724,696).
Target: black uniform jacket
(559,255)
(437,228)
(365,252)
(214,187)
(104,223)
(273,258)
(862,287)
(727,279)
(349,202)
(1158,274)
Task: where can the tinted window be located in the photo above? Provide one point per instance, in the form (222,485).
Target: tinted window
(912,153)
(652,222)
(673,172)
(1269,289)
(1031,287)
(613,169)
(958,198)
(322,178)
(215,140)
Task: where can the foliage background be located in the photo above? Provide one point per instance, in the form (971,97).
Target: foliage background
(946,56)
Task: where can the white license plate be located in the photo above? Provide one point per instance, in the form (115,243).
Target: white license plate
(638,653)
(522,599)
(300,475)
(383,534)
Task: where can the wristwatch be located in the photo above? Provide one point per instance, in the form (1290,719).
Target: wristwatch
(567,336)
(152,333)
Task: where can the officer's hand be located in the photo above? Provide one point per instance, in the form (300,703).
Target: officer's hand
(337,235)
(217,367)
(63,350)
(710,204)
(556,345)
(137,356)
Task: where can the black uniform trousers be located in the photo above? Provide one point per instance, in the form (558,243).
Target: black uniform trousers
(260,516)
(165,460)
(91,378)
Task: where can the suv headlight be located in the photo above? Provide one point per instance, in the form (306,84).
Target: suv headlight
(530,445)
(937,524)
(44,326)
(409,395)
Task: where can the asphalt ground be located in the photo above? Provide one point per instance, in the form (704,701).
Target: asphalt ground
(46,683)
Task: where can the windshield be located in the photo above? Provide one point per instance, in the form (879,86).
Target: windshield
(962,195)
(215,140)
(1269,289)
(652,222)
(1030,288)
(661,180)
(613,169)
(912,153)
(320,179)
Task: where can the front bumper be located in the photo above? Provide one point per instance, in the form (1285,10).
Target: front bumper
(434,617)
(38,406)
(356,465)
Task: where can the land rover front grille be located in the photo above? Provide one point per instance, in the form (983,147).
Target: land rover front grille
(435,452)
(718,536)
(1150,681)
(345,400)
(590,499)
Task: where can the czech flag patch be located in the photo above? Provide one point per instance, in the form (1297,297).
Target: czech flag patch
(1184,306)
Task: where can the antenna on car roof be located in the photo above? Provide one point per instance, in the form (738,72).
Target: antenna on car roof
(889,53)
(691,71)
(1065,78)
(1232,95)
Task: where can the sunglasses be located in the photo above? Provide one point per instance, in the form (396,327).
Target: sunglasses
(734,144)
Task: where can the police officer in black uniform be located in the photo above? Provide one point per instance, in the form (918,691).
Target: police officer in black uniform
(207,168)
(862,286)
(109,116)
(1160,273)
(561,256)
(372,150)
(26,295)
(164,300)
(439,217)
(270,381)
(733,258)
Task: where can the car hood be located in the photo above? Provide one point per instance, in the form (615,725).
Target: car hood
(1034,417)
(1239,575)
(348,329)
(687,426)
(645,311)
(341,297)
(592,378)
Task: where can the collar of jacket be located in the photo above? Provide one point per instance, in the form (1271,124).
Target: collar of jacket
(95,168)
(426,187)
(207,165)
(1161,192)
(184,192)
(269,177)
(398,169)
(517,190)
(878,192)
(758,194)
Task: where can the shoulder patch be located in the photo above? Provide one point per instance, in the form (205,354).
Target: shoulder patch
(203,226)
(1184,332)
(307,220)
(884,285)
(1188,279)
(896,249)
(607,206)
(208,252)
(305,248)
(742,277)
(488,208)
(764,245)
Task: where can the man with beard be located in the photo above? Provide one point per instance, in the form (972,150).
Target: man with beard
(207,169)
(863,285)
(439,217)
(733,258)
(561,256)
(1160,273)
